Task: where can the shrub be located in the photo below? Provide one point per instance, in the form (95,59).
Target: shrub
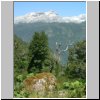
(75,89)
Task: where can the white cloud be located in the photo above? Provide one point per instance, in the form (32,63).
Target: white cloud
(49,16)
(75,19)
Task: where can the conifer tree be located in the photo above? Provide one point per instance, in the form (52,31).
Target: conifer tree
(38,51)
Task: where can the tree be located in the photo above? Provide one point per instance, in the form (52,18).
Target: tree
(20,57)
(38,51)
(76,66)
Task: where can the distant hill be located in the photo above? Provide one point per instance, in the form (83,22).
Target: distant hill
(57,32)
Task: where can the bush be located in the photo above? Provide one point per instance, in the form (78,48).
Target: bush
(75,89)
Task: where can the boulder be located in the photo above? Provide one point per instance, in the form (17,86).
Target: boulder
(41,82)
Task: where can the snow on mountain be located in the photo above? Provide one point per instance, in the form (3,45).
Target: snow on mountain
(75,19)
(49,17)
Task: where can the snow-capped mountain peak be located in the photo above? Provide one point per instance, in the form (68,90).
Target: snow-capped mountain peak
(49,16)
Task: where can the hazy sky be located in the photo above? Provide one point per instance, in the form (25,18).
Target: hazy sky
(62,8)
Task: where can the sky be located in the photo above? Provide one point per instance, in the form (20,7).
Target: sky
(62,8)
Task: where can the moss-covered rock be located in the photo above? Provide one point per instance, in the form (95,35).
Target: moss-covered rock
(41,82)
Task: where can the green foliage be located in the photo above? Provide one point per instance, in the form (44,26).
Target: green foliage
(19,78)
(51,65)
(19,89)
(76,66)
(20,57)
(78,52)
(38,51)
(21,94)
(75,89)
(30,74)
(18,86)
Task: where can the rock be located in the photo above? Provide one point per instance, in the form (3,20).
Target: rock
(41,82)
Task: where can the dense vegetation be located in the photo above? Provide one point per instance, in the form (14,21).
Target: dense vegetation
(36,57)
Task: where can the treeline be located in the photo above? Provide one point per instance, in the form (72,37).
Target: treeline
(36,57)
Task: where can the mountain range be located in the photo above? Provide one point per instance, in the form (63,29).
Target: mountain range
(58,29)
(49,17)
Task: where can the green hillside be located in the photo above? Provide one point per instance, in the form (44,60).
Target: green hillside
(56,32)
